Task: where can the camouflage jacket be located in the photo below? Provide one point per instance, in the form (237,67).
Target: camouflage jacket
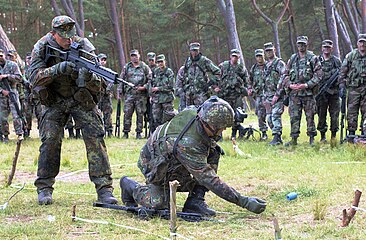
(329,67)
(53,88)
(233,80)
(138,76)
(275,72)
(196,70)
(190,159)
(353,69)
(257,79)
(179,83)
(305,70)
(12,69)
(164,81)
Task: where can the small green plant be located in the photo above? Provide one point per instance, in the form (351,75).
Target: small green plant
(320,209)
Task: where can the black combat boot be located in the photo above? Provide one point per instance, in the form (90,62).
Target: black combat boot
(292,142)
(195,202)
(1,138)
(323,138)
(127,186)
(26,133)
(78,133)
(264,136)
(125,135)
(233,133)
(350,139)
(334,135)
(71,133)
(138,136)
(6,139)
(311,140)
(109,133)
(45,197)
(277,140)
(106,196)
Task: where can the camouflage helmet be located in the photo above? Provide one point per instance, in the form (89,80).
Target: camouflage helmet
(151,56)
(217,113)
(102,55)
(64,26)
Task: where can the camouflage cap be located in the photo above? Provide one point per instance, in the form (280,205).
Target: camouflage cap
(151,56)
(217,113)
(327,43)
(235,52)
(268,46)
(134,52)
(194,46)
(259,52)
(64,26)
(302,39)
(102,55)
(361,37)
(160,58)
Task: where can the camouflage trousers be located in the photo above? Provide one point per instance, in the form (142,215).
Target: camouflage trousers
(331,103)
(235,102)
(274,115)
(182,103)
(28,112)
(134,102)
(195,99)
(356,102)
(51,130)
(260,111)
(105,105)
(156,195)
(7,107)
(158,115)
(296,106)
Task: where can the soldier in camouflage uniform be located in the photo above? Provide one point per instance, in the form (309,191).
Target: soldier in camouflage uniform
(10,71)
(137,73)
(275,72)
(105,101)
(353,78)
(161,93)
(232,87)
(151,58)
(179,90)
(304,74)
(196,69)
(185,149)
(256,89)
(330,99)
(55,82)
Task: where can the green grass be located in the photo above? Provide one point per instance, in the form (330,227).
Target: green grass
(324,189)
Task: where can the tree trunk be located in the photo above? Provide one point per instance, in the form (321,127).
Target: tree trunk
(124,35)
(331,25)
(363,11)
(342,30)
(81,15)
(55,7)
(69,9)
(6,44)
(350,18)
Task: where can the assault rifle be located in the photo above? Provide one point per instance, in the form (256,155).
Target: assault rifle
(82,58)
(117,130)
(147,213)
(328,84)
(343,113)
(148,120)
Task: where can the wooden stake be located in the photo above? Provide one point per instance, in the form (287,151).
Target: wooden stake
(15,160)
(348,215)
(73,213)
(173,208)
(277,229)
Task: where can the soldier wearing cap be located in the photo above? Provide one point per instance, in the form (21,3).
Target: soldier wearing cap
(161,93)
(9,70)
(137,73)
(353,78)
(196,68)
(329,101)
(304,73)
(233,83)
(55,83)
(256,89)
(274,95)
(105,100)
(151,58)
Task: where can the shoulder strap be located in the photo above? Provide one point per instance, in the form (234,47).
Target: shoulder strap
(185,129)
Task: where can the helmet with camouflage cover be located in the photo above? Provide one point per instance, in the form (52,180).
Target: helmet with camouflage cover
(64,26)
(217,113)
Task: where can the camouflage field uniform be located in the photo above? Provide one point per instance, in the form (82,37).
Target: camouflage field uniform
(179,90)
(275,71)
(105,105)
(6,106)
(303,71)
(233,87)
(256,83)
(162,100)
(329,100)
(58,93)
(197,83)
(135,100)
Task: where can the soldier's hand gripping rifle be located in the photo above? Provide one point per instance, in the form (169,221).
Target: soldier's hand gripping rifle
(327,85)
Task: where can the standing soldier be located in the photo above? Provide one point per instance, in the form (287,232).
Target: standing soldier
(275,72)
(232,87)
(161,92)
(105,100)
(196,69)
(10,71)
(55,81)
(353,77)
(329,100)
(179,88)
(137,73)
(304,74)
(256,89)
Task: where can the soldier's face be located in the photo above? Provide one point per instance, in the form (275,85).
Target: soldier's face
(103,62)
(63,42)
(269,53)
(234,59)
(135,58)
(152,61)
(326,49)
(301,47)
(259,59)
(28,60)
(161,64)
(194,53)
(361,45)
(2,58)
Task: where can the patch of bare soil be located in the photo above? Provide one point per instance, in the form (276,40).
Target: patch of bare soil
(17,218)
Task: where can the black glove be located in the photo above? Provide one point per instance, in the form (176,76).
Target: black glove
(252,204)
(220,150)
(63,68)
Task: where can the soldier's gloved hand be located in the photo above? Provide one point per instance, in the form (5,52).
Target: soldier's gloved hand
(63,68)
(220,150)
(85,74)
(253,204)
